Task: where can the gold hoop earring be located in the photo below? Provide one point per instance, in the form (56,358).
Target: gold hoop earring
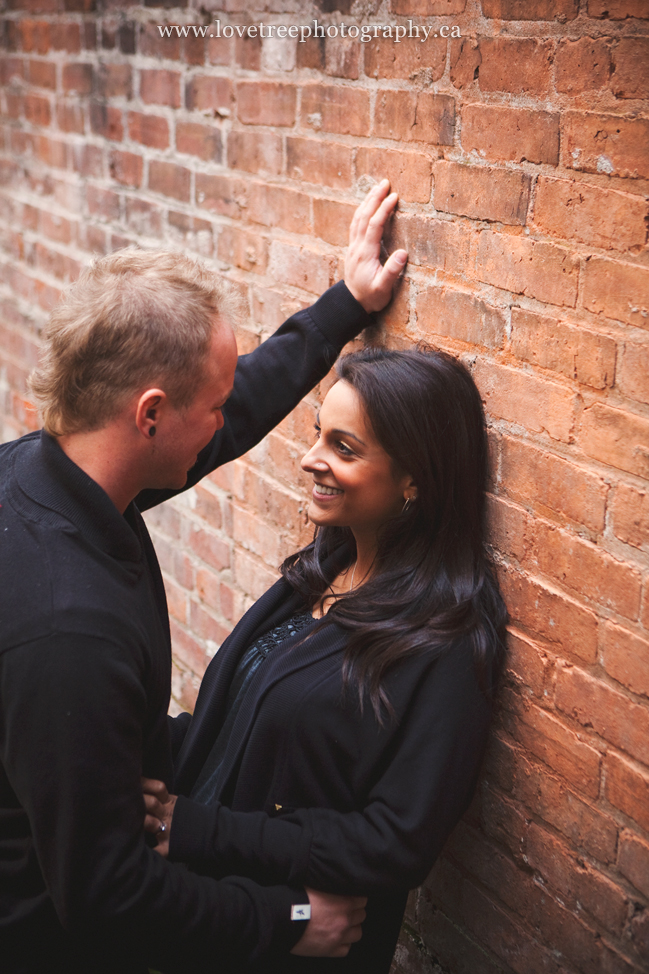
(406,505)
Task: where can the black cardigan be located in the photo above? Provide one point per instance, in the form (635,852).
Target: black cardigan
(313,791)
(85,667)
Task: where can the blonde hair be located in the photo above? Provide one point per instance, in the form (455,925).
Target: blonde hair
(133,318)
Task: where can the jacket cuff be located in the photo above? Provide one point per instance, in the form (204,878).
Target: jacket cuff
(339,316)
(286,931)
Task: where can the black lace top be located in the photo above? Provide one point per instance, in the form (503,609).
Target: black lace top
(208,781)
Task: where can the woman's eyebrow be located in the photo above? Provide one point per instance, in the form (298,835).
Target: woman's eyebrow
(341,432)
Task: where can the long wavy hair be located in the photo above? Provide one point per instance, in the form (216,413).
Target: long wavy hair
(432,583)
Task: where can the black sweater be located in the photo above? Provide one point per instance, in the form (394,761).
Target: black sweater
(84,689)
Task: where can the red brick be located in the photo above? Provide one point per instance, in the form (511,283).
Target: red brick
(626,657)
(87,159)
(411,116)
(55,227)
(409,172)
(151,44)
(247,52)
(246,250)
(617,290)
(193,49)
(331,220)
(598,217)
(203,141)
(632,378)
(52,152)
(458,315)
(631,515)
(549,740)
(69,116)
(335,108)
(616,437)
(169,179)
(427,8)
(583,887)
(126,168)
(528,665)
(193,233)
(103,203)
(520,66)
(342,56)
(524,266)
(151,130)
(560,10)
(105,120)
(221,194)
(633,861)
(617,9)
(159,87)
(252,577)
(482,193)
(323,163)
(547,483)
(427,60)
(465,61)
(605,711)
(511,134)
(302,267)
(627,788)
(77,78)
(278,206)
(554,616)
(605,143)
(37,110)
(42,74)
(438,244)
(115,80)
(259,152)
(631,72)
(207,93)
(142,217)
(34,35)
(582,65)
(576,353)
(527,400)
(266,103)
(255,535)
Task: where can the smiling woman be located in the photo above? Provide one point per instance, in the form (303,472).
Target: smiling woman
(339,731)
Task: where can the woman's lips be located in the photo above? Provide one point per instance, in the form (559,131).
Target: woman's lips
(323,492)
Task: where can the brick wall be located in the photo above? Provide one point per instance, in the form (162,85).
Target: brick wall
(521,153)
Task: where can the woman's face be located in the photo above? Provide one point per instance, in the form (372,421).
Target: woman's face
(354,481)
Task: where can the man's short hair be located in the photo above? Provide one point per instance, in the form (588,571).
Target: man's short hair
(134,319)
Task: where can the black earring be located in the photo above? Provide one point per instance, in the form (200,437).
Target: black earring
(152,431)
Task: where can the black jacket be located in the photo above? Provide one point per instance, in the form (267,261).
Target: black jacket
(85,664)
(313,791)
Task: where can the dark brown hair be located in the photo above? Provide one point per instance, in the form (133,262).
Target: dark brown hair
(432,583)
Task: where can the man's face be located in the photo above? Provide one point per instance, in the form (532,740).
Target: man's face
(183,433)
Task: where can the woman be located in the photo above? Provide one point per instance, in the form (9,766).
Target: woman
(339,731)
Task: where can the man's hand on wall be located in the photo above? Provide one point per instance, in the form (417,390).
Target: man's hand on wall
(370,281)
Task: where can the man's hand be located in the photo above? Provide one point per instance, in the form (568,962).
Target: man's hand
(371,282)
(159,805)
(334,926)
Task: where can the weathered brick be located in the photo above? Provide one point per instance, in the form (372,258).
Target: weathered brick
(169,179)
(142,217)
(607,712)
(205,93)
(203,141)
(126,168)
(575,210)
(605,143)
(258,152)
(627,788)
(428,8)
(552,344)
(632,377)
(335,108)
(151,130)
(465,61)
(616,437)
(462,316)
(160,87)
(37,110)
(537,404)
(631,515)
(266,103)
(246,250)
(414,117)
(520,66)
(560,10)
(324,163)
(278,206)
(409,172)
(633,860)
(626,657)
(427,60)
(33,35)
(42,74)
(342,57)
(221,194)
(546,483)
(114,81)
(78,78)
(617,290)
(69,116)
(582,65)
(481,193)
(617,9)
(631,68)
(302,267)
(439,244)
(528,267)
(103,203)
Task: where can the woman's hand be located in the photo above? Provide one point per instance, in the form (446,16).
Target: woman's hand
(370,281)
(159,805)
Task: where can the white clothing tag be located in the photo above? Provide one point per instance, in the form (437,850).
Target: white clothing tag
(301,911)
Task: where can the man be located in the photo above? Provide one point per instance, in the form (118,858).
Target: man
(141,396)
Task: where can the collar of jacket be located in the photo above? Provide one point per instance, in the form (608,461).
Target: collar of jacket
(46,477)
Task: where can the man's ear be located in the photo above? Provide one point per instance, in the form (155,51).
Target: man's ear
(149,410)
